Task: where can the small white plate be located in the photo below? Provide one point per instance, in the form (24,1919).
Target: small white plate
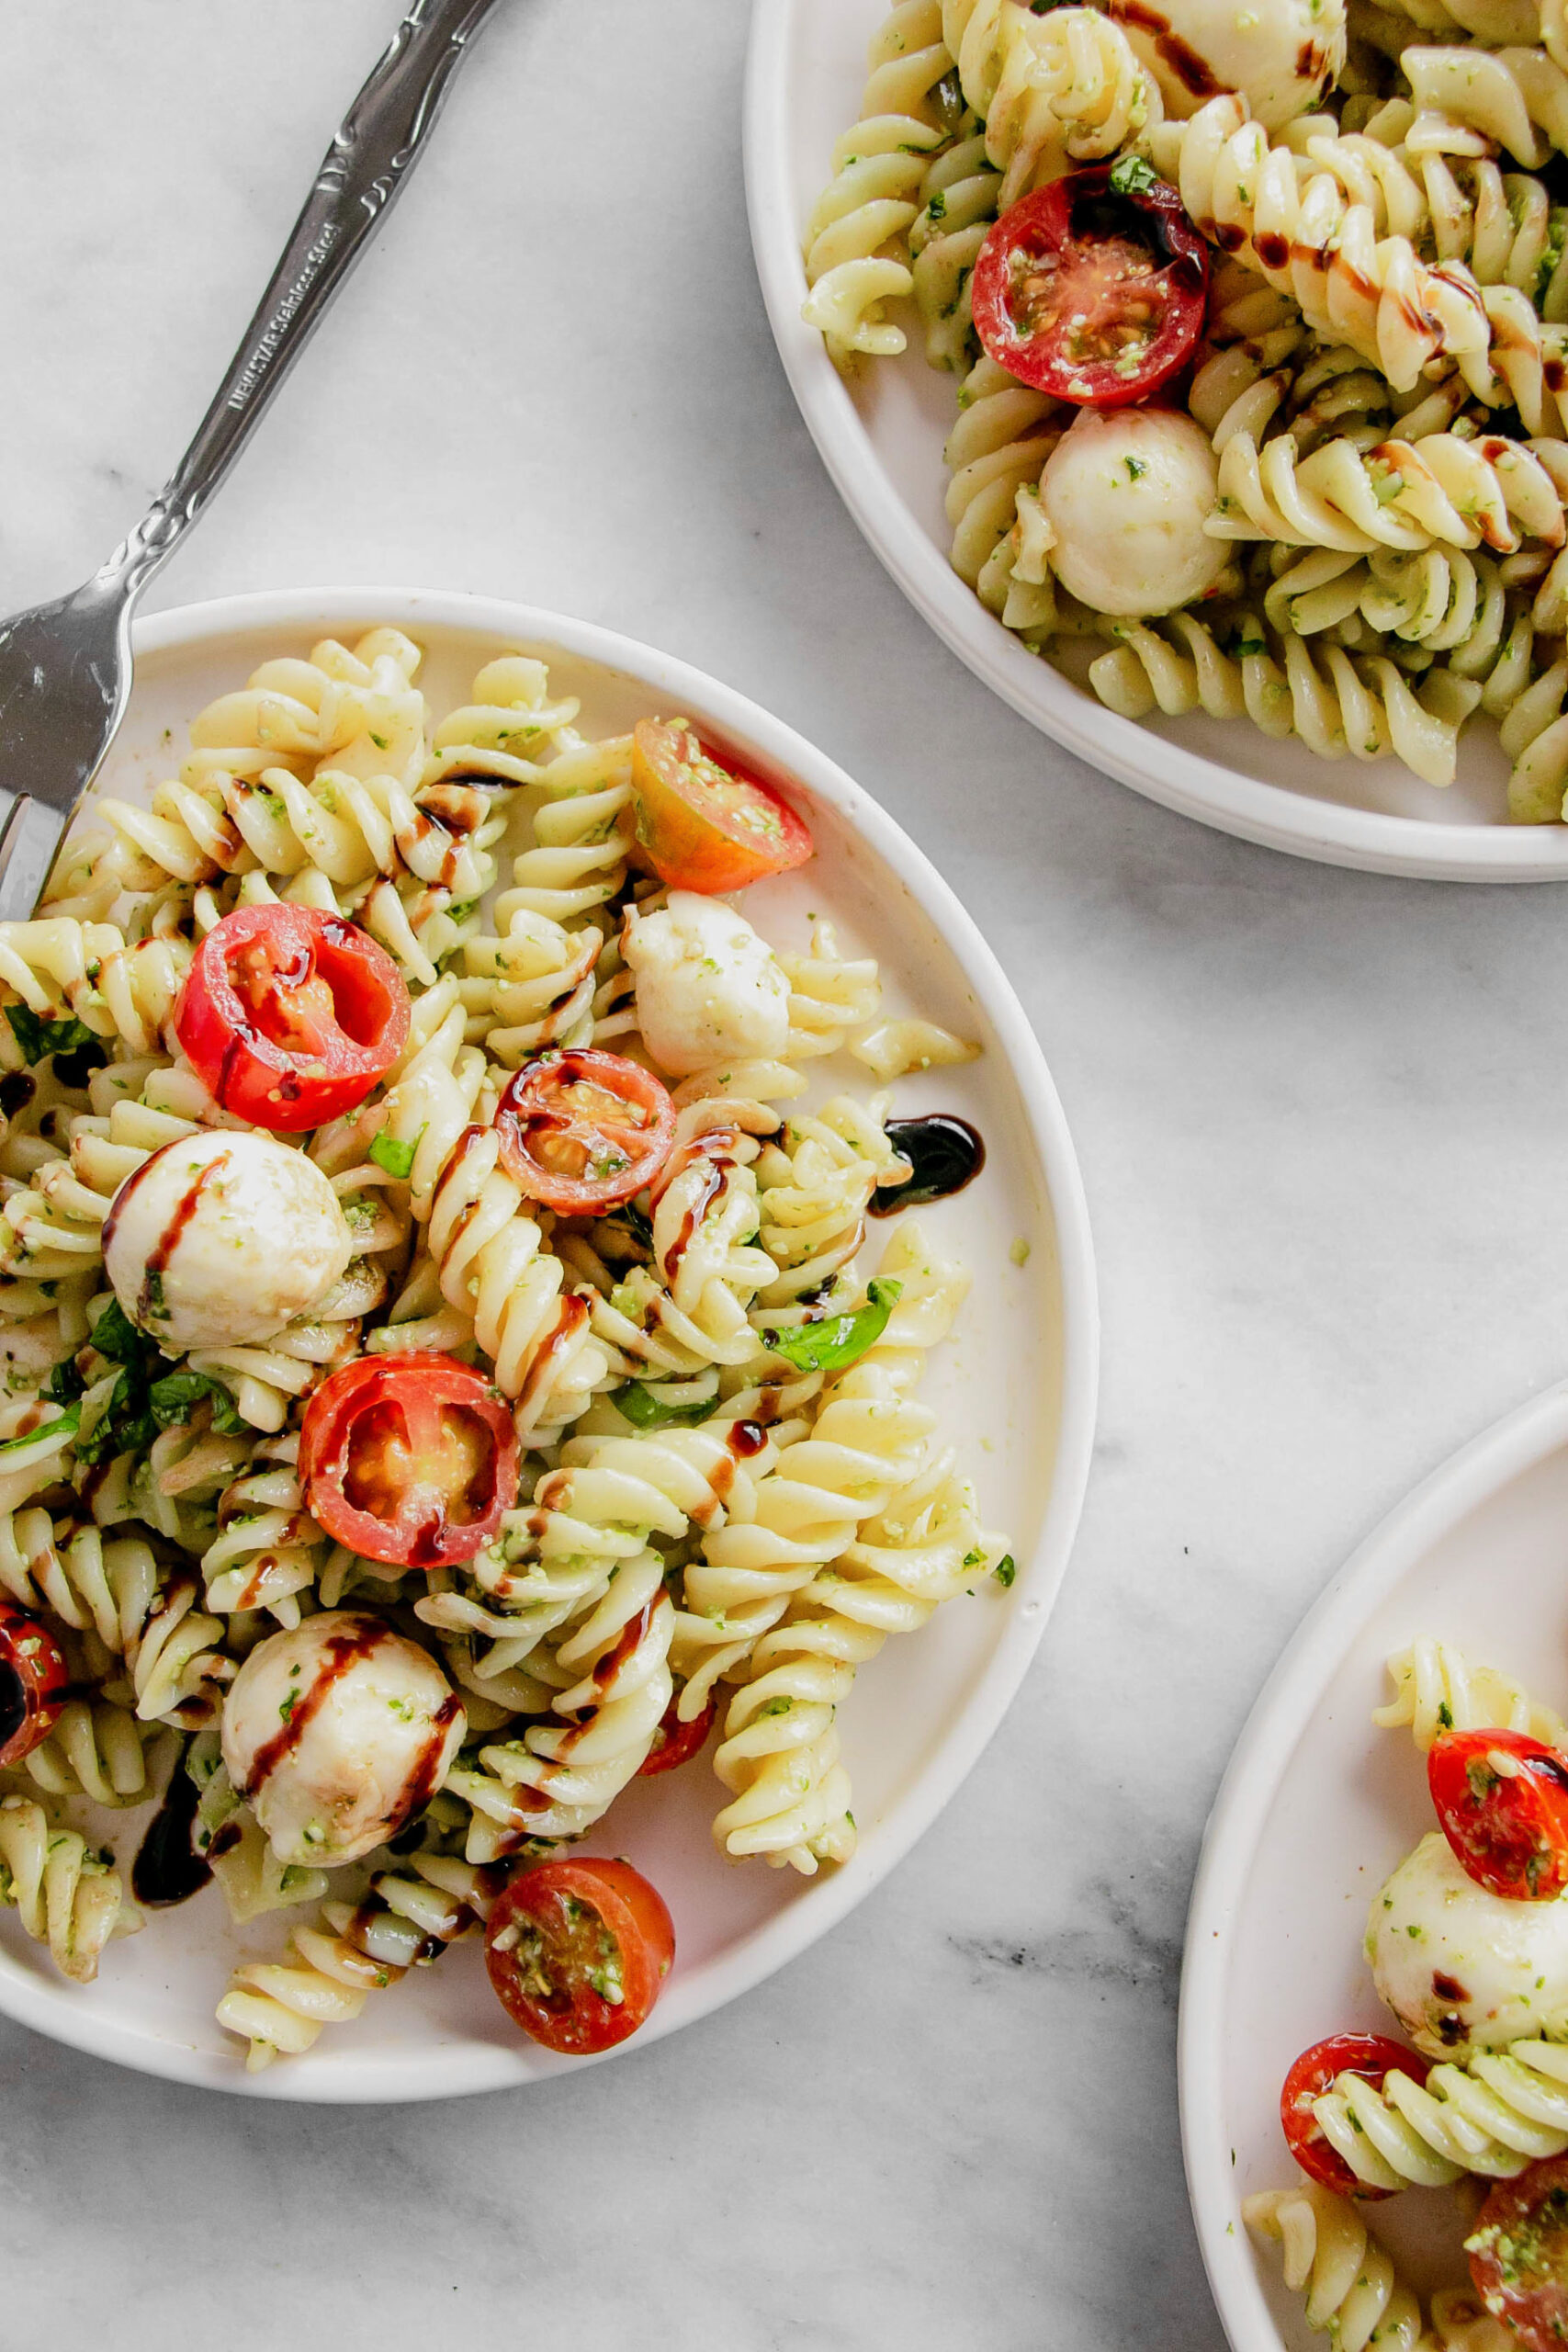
(1015,1386)
(1316,1807)
(881,443)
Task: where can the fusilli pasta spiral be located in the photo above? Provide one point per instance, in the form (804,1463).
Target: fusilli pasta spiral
(66,1895)
(1353,2293)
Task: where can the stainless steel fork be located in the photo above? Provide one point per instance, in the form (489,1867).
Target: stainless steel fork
(65,667)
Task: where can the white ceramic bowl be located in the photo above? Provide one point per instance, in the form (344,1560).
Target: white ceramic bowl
(1016,1385)
(881,443)
(1316,1807)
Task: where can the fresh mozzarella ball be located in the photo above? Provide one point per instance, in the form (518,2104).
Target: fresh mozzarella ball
(337,1731)
(1126,493)
(223,1238)
(1463,1970)
(1280,55)
(707,985)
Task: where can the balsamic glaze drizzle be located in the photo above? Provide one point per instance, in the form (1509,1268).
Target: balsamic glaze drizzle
(168,1869)
(944,1154)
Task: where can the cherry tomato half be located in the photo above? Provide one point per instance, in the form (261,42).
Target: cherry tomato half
(290,1016)
(1372,2056)
(1518,2253)
(1502,1799)
(675,1742)
(33,1676)
(411,1459)
(1091,294)
(578,1951)
(582,1130)
(702,825)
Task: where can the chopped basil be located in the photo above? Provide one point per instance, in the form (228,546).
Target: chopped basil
(1005,1569)
(65,1384)
(838,1340)
(140,1404)
(177,1394)
(1133,176)
(644,1411)
(116,1336)
(38,1038)
(396,1158)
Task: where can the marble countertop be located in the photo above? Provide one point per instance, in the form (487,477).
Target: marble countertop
(1320,1117)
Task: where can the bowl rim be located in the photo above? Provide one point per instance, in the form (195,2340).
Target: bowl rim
(48,2008)
(1469,1478)
(1195,787)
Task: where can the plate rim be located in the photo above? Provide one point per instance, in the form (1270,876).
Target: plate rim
(47,2008)
(1468,1477)
(1194,787)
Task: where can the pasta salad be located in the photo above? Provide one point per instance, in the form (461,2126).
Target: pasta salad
(1259,323)
(441,1379)
(1467,1942)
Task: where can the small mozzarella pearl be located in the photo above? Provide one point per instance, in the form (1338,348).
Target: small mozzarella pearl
(708,985)
(1126,493)
(221,1238)
(338,1731)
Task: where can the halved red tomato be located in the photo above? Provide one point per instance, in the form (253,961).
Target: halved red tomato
(290,1016)
(578,1951)
(411,1459)
(1519,2255)
(33,1677)
(1372,2056)
(1502,1799)
(583,1131)
(1093,289)
(676,1743)
(701,824)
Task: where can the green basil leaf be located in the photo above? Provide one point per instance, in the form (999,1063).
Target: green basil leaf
(1005,1569)
(396,1158)
(1133,176)
(116,1336)
(838,1340)
(65,1384)
(38,1038)
(177,1394)
(66,1426)
(644,1410)
(127,1427)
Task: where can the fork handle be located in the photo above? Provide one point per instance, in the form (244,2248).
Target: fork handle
(375,146)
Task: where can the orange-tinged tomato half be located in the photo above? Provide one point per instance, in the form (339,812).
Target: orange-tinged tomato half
(702,825)
(582,1130)
(577,1949)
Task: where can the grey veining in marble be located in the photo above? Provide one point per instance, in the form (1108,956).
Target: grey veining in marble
(1321,1117)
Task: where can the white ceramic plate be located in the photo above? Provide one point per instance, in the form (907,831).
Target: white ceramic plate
(882,442)
(1315,1809)
(1016,1385)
